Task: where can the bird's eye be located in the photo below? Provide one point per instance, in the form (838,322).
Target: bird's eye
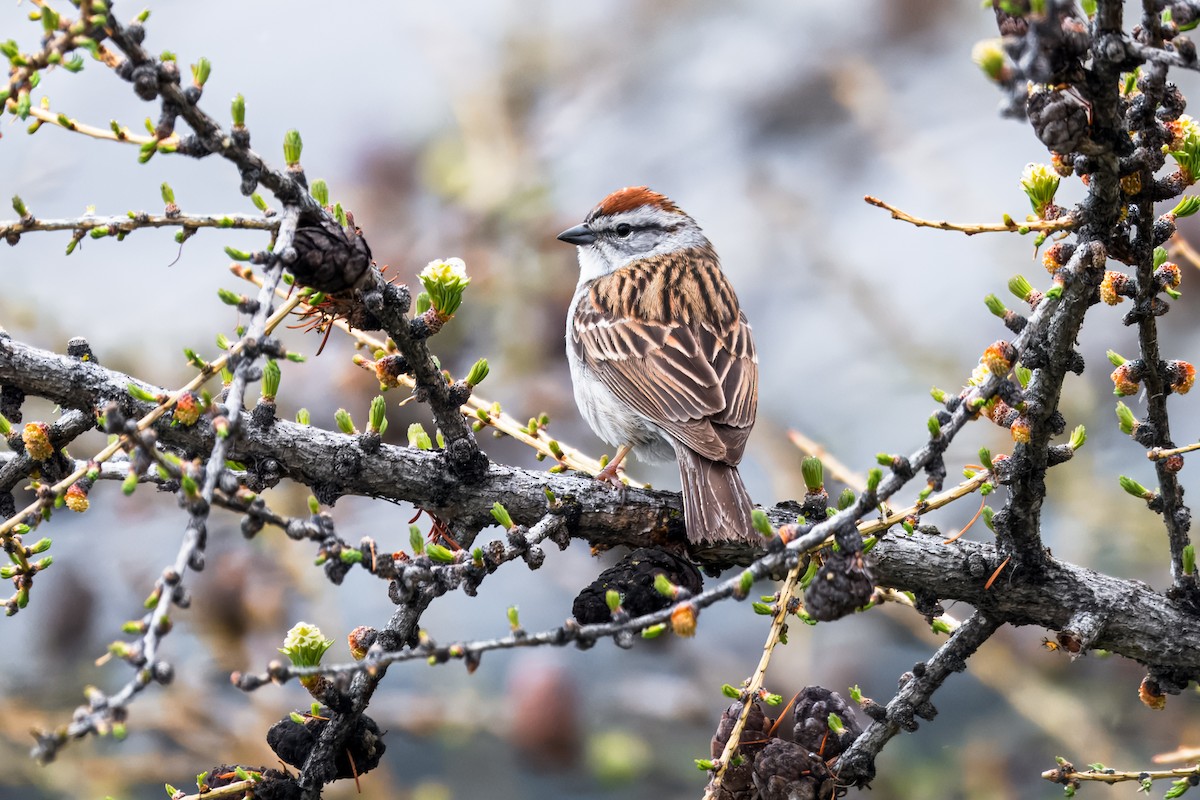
(624,229)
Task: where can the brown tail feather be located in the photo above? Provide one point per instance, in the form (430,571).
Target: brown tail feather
(716,507)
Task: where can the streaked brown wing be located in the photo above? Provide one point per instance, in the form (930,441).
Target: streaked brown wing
(688,361)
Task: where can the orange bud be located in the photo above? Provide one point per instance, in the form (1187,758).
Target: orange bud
(683,620)
(36,437)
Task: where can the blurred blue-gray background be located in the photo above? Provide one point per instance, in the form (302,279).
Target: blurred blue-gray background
(480,130)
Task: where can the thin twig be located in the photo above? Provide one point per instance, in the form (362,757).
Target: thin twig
(132,221)
(1009,225)
(750,693)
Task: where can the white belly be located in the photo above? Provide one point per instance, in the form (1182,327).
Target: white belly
(610,418)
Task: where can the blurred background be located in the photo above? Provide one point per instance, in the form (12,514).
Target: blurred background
(480,130)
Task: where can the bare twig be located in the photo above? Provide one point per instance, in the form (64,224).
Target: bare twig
(1009,225)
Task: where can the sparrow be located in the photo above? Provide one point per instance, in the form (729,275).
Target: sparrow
(662,358)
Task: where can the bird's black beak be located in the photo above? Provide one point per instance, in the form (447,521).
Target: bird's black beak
(581,234)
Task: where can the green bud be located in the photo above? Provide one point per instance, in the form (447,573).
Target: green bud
(239,111)
(5,426)
(445,281)
(304,645)
(654,631)
(1134,488)
(200,72)
(258,201)
(731,691)
(612,599)
(237,255)
(479,371)
(139,393)
(1053,293)
(746,581)
(1024,375)
(1020,287)
(168,194)
(989,56)
(514,619)
(129,484)
(223,342)
(935,427)
(1078,437)
(988,514)
(270,380)
(762,609)
(663,585)
(773,699)
(350,556)
(171,790)
(418,438)
(845,499)
(314,505)
(423,303)
(758,518)
(344,422)
(813,472)
(985,458)
(940,626)
(502,517)
(874,476)
(229,297)
(835,723)
(416,540)
(705,764)
(1115,358)
(1160,256)
(292,147)
(995,305)
(1187,206)
(303,417)
(1040,183)
(440,554)
(320,192)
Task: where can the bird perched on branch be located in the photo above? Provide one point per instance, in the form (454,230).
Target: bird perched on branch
(662,357)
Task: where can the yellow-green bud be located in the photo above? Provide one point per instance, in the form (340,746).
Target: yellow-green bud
(758,518)
(813,472)
(238,109)
(304,645)
(502,517)
(344,422)
(270,380)
(445,280)
(320,192)
(377,422)
(418,438)
(292,147)
(479,371)
(612,598)
(1040,183)
(1078,437)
